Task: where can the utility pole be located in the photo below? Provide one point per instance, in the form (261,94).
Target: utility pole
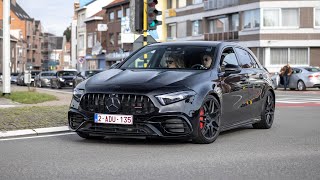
(6,87)
(145,28)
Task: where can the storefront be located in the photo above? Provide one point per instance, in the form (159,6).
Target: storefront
(96,62)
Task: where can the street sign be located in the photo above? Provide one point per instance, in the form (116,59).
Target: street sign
(102,27)
(138,43)
(27,77)
(81,60)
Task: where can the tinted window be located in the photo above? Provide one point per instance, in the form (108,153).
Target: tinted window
(312,69)
(296,71)
(176,57)
(67,73)
(244,59)
(255,64)
(228,57)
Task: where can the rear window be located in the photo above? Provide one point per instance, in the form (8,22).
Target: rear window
(67,73)
(312,69)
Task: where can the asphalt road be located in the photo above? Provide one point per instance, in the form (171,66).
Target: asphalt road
(289,150)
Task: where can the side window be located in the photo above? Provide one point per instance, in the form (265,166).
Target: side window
(228,57)
(244,58)
(255,64)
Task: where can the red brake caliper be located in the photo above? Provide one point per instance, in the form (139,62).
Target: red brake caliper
(201,119)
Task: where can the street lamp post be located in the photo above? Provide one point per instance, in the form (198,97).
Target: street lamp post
(6,89)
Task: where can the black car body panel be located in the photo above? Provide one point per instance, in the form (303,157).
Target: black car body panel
(241,96)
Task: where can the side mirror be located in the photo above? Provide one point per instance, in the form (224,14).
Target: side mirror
(231,69)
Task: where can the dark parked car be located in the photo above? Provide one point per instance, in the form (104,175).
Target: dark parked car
(63,78)
(84,75)
(144,97)
(43,79)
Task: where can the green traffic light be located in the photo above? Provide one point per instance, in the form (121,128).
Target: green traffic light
(153,24)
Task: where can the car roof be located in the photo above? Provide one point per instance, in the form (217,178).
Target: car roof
(194,43)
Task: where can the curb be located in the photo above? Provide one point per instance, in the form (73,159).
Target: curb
(33,132)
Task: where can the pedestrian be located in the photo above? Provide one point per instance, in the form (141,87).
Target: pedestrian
(285,73)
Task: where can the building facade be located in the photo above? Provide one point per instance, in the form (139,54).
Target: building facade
(278,32)
(95,55)
(79,27)
(116,47)
(30,33)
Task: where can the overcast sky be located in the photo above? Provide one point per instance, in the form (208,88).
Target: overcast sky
(55,15)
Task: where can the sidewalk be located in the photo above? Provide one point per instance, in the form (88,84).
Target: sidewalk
(25,119)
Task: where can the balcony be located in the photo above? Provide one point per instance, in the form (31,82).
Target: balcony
(219,4)
(222,36)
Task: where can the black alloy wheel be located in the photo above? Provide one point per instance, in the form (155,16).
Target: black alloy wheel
(267,114)
(209,121)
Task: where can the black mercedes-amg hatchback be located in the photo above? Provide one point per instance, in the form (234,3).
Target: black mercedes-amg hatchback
(175,90)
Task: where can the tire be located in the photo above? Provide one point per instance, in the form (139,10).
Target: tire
(208,128)
(87,136)
(51,85)
(301,86)
(267,114)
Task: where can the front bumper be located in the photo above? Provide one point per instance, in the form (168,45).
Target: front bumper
(161,125)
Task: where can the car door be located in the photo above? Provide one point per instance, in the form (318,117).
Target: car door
(295,76)
(256,81)
(234,91)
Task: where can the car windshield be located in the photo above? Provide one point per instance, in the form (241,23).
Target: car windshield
(47,74)
(91,73)
(175,57)
(35,73)
(67,73)
(312,69)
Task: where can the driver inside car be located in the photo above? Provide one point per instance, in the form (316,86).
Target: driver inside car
(206,61)
(174,61)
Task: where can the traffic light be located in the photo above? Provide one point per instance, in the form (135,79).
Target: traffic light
(152,13)
(139,15)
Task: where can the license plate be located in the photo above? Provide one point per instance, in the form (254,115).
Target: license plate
(113,119)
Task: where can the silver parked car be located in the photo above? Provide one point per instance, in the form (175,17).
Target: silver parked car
(304,77)
(43,79)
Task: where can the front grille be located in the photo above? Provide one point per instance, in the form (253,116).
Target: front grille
(129,104)
(117,129)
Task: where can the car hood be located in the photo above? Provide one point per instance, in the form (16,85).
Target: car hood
(141,81)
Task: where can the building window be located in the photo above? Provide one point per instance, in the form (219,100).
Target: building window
(251,19)
(172,31)
(128,12)
(119,14)
(317,17)
(299,56)
(81,42)
(182,26)
(182,3)
(281,17)
(290,17)
(111,16)
(197,1)
(293,56)
(196,28)
(90,40)
(235,22)
(95,38)
(111,37)
(219,25)
(119,38)
(172,4)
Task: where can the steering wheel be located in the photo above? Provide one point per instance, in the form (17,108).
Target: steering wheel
(198,66)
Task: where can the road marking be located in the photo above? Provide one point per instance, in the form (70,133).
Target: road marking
(33,137)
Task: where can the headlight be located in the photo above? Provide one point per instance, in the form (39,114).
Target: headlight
(77,94)
(166,99)
(61,79)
